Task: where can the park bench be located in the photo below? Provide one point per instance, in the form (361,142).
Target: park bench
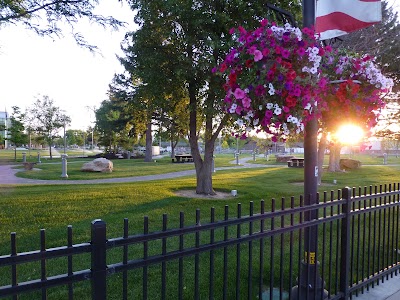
(181,158)
(28,165)
(296,163)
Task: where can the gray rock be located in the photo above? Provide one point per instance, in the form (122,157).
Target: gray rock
(349,164)
(98,165)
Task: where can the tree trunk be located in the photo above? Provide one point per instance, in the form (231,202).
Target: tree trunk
(15,153)
(173,143)
(203,167)
(173,146)
(334,158)
(321,153)
(149,143)
(204,171)
(51,154)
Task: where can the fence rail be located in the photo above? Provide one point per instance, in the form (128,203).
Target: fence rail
(249,256)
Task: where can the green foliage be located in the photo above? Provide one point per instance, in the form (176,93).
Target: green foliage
(177,45)
(16,134)
(47,119)
(51,14)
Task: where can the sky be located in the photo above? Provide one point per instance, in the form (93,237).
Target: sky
(74,78)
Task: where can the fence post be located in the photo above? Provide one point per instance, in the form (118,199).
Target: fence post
(345,243)
(99,264)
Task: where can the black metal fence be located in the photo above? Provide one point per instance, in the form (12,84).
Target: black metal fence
(256,254)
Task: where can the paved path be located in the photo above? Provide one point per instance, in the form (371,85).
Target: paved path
(7,175)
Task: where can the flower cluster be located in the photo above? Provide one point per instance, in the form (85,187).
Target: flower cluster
(349,101)
(363,69)
(273,77)
(277,78)
(355,91)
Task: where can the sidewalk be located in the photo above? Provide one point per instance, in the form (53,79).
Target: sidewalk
(388,290)
(7,175)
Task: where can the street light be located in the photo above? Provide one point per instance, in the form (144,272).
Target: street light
(92,140)
(84,144)
(65,140)
(66,120)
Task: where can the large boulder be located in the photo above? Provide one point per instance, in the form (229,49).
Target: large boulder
(98,165)
(349,164)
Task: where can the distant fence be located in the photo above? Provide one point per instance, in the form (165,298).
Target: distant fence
(248,256)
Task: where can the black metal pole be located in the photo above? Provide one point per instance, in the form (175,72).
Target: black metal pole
(311,285)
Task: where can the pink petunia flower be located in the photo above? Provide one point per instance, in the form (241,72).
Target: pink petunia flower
(257,55)
(301,51)
(265,52)
(239,93)
(246,101)
(285,53)
(252,50)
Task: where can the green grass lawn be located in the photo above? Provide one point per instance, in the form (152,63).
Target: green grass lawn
(7,155)
(27,209)
(365,159)
(51,170)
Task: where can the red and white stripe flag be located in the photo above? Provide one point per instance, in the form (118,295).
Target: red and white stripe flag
(338,17)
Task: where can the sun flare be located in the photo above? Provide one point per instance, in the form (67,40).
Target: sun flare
(349,134)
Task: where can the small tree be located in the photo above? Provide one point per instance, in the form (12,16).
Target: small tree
(48,119)
(16,133)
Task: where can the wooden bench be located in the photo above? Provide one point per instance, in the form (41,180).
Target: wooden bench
(296,163)
(28,165)
(181,158)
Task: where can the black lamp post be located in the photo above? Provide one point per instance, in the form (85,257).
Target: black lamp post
(311,286)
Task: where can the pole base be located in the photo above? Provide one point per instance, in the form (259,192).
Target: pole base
(302,293)
(308,287)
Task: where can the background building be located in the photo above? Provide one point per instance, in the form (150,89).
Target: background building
(4,124)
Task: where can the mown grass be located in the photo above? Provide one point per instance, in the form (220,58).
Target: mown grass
(27,209)
(122,168)
(366,159)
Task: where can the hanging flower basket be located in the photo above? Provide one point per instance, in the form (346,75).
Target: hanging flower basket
(277,78)
(355,93)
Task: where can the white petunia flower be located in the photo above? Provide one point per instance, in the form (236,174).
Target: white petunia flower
(271,89)
(277,111)
(239,122)
(232,109)
(315,50)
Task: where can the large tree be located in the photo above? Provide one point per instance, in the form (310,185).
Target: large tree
(45,16)
(48,119)
(195,36)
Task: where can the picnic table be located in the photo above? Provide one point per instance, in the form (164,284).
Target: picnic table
(181,158)
(296,162)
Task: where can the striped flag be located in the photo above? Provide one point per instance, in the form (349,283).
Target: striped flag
(339,17)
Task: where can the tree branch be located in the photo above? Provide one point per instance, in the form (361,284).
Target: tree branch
(33,10)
